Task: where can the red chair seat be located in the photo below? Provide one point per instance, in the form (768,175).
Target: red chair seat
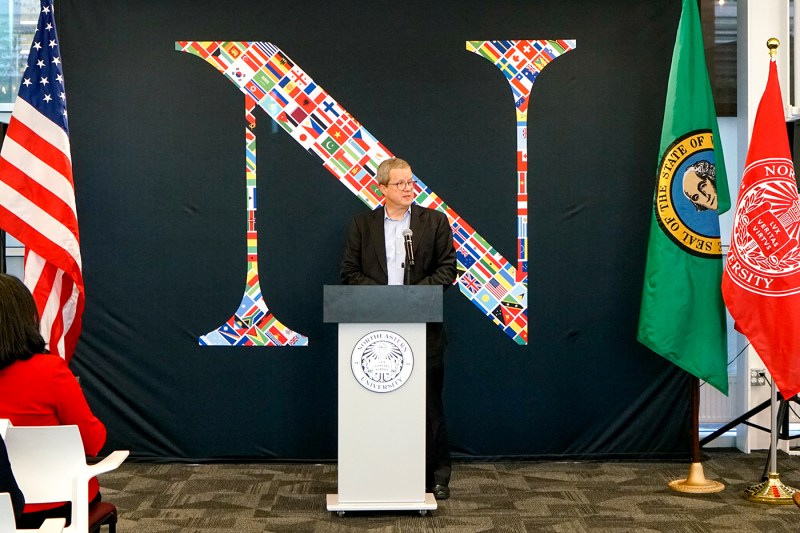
(102,513)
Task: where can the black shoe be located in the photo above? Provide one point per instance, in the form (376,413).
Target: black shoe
(441,492)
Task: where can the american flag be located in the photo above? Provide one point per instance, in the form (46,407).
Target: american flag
(496,289)
(37,194)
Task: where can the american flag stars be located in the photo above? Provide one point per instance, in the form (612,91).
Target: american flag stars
(44,70)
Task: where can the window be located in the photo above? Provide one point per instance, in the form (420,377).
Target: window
(718,18)
(18,20)
(13,251)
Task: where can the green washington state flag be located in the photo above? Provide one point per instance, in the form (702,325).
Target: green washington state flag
(682,316)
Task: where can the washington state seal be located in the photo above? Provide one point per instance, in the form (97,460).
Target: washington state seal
(382,361)
(686,195)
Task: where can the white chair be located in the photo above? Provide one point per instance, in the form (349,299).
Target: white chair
(7,524)
(49,464)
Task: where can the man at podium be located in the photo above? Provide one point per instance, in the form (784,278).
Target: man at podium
(403,243)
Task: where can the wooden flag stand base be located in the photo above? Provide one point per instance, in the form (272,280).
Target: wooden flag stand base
(696,483)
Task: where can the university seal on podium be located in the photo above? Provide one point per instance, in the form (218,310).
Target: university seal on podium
(382,361)
(764,257)
(686,195)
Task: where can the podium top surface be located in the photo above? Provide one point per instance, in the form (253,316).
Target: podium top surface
(382,303)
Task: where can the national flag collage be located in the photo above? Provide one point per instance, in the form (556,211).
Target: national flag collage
(253,324)
(520,62)
(324,128)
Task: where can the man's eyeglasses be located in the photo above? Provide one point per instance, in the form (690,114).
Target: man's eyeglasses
(403,185)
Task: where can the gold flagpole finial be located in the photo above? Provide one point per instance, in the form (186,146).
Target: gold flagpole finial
(773,45)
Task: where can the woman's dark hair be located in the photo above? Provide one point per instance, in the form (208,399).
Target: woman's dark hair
(19,322)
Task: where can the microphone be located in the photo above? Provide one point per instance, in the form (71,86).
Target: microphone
(407,233)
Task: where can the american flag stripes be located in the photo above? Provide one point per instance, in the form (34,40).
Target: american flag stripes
(37,194)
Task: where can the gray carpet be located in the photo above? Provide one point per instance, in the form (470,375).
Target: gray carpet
(504,497)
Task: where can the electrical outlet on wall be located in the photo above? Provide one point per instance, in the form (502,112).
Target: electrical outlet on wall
(758,377)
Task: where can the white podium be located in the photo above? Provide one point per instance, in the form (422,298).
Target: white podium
(381,406)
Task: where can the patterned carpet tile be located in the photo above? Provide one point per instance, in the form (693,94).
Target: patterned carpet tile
(589,497)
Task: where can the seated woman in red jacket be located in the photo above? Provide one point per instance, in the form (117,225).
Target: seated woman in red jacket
(38,389)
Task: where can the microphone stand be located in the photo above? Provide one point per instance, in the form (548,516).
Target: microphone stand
(408,263)
(407,273)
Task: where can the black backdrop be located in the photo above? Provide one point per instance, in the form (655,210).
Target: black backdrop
(157,140)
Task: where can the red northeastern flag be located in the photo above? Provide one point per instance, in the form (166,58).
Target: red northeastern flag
(761,282)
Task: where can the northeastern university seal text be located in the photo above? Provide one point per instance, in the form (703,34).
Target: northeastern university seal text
(382,361)
(765,231)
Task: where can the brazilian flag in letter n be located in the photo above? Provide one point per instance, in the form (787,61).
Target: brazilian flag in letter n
(682,317)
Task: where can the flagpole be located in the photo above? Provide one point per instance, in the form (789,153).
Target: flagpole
(771,490)
(773,435)
(679,276)
(2,252)
(696,482)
